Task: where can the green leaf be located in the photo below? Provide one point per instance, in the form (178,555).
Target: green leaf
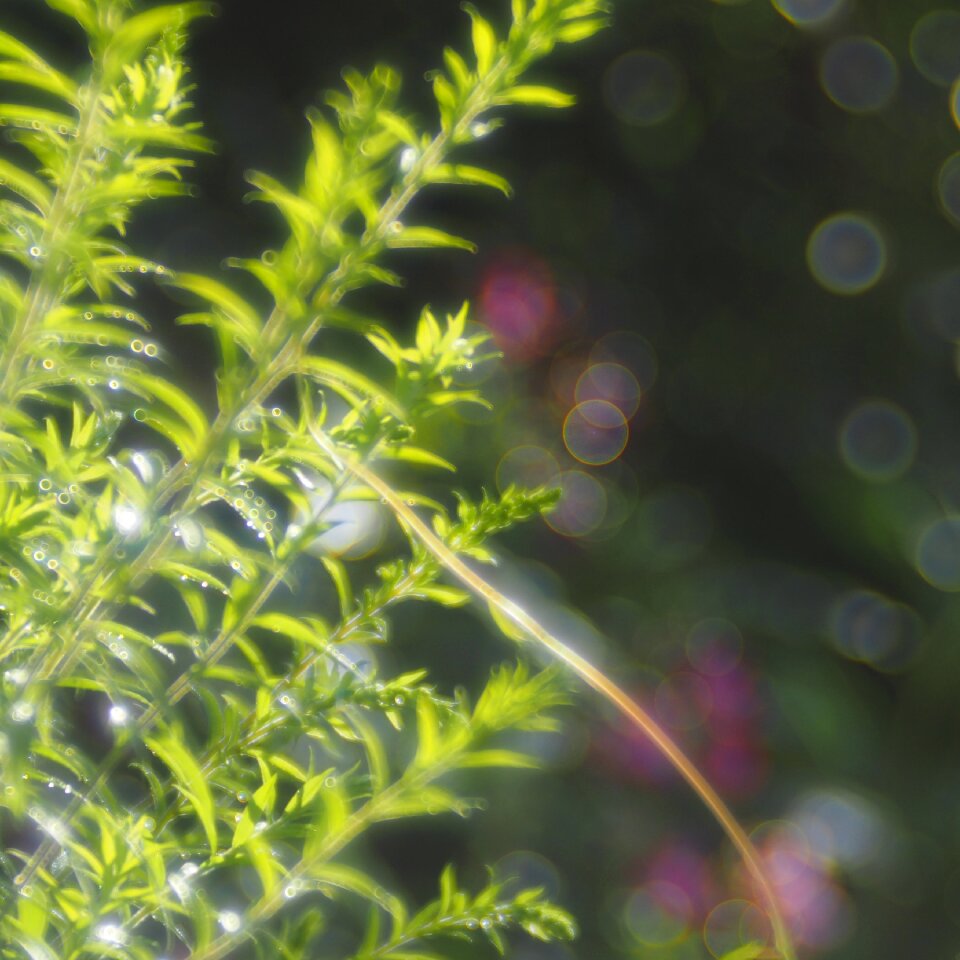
(195,427)
(33,914)
(536,96)
(341,581)
(458,69)
(134,35)
(409,454)
(297,629)
(191,781)
(499,758)
(326,161)
(40,77)
(346,381)
(427,237)
(355,881)
(26,185)
(81,10)
(428,733)
(399,126)
(484,40)
(233,306)
(37,118)
(35,949)
(141,133)
(462,174)
(15,49)
(581,30)
(301,215)
(444,595)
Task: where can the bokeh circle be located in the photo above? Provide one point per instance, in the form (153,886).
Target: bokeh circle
(938,554)
(595,432)
(808,13)
(858,74)
(582,506)
(948,188)
(935,46)
(846,253)
(644,88)
(878,440)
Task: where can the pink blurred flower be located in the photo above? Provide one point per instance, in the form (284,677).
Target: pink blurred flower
(518,304)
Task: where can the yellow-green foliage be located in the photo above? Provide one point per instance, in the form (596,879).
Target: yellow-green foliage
(246,747)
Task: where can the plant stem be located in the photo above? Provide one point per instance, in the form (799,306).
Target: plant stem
(590,675)
(42,294)
(358,821)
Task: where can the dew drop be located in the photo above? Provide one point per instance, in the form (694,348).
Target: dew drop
(118,715)
(111,933)
(21,712)
(127,519)
(407,159)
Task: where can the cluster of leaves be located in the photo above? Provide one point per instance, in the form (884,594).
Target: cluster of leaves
(231,755)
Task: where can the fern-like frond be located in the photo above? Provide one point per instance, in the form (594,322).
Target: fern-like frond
(241,750)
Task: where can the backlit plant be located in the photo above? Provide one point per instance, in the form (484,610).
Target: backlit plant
(234,754)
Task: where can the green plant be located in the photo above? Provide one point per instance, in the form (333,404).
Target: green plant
(247,747)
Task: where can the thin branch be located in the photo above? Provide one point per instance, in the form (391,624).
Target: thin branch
(591,675)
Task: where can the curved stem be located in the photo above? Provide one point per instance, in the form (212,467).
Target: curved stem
(591,675)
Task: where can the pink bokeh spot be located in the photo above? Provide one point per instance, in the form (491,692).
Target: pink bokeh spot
(518,304)
(715,721)
(815,907)
(682,866)
(737,769)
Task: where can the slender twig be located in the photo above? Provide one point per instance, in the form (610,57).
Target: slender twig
(591,675)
